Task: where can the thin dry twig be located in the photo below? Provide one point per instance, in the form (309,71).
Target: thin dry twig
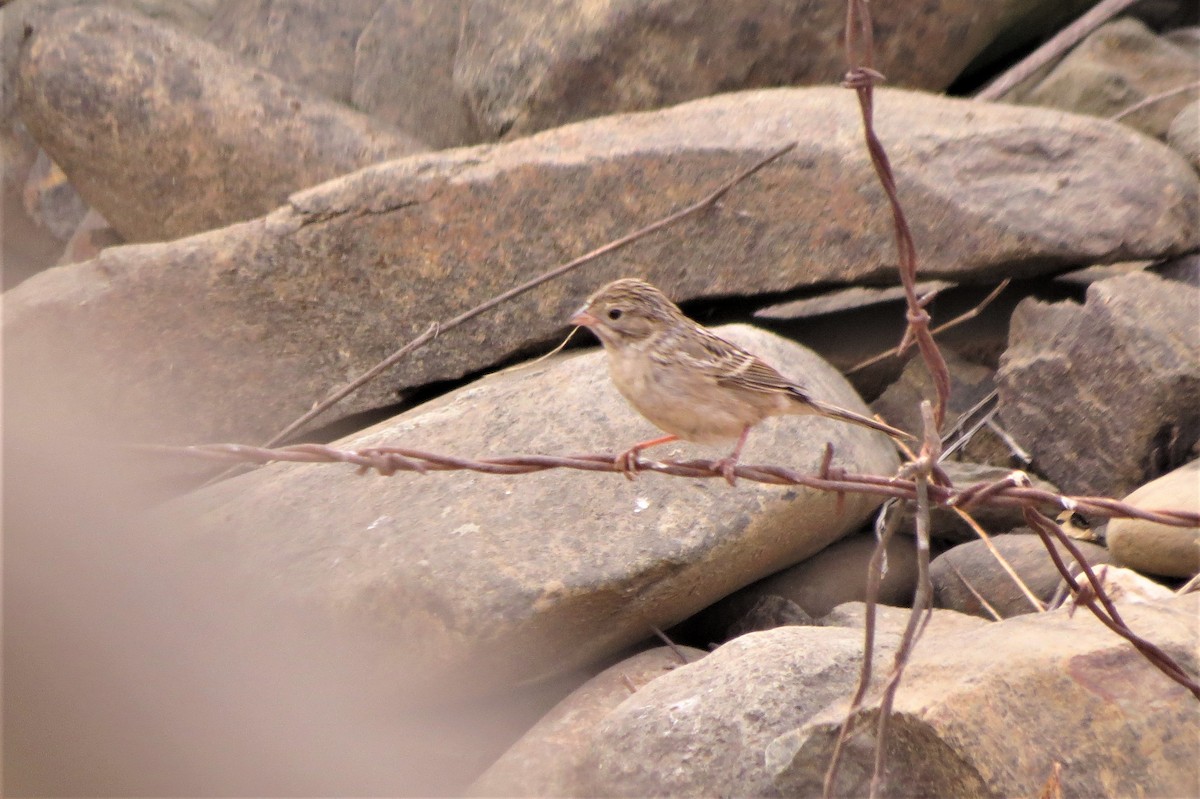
(1003,561)
(1060,593)
(965,316)
(1189,586)
(1016,450)
(983,603)
(437,328)
(674,647)
(1057,45)
(1154,98)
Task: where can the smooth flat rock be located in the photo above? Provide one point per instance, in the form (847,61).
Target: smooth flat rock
(473,583)
(706,728)
(1184,134)
(16,16)
(167,135)
(28,246)
(974,563)
(232,334)
(702,730)
(1184,269)
(1117,66)
(832,577)
(1158,548)
(1103,395)
(847,299)
(889,619)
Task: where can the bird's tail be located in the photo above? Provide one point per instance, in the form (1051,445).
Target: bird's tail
(841,414)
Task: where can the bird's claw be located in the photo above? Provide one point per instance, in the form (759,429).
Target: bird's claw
(727,468)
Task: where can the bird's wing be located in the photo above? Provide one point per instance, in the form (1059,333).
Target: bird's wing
(730,366)
(758,375)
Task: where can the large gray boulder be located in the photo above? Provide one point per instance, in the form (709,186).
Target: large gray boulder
(233,333)
(470,583)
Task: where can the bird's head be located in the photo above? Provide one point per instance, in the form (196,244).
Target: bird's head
(627,311)
(1076,525)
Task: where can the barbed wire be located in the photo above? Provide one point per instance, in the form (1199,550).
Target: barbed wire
(1094,598)
(929,483)
(389,460)
(921,480)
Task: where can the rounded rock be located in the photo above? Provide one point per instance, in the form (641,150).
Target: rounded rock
(1159,548)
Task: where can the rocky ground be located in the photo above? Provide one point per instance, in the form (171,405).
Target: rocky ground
(218,211)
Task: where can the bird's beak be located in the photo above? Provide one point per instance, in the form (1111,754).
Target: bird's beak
(583,319)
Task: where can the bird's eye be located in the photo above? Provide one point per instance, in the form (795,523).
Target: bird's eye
(615,313)
(1079,520)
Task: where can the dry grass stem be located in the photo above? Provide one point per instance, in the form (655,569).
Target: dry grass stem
(1154,98)
(1016,450)
(983,603)
(875,571)
(922,471)
(1004,564)
(965,316)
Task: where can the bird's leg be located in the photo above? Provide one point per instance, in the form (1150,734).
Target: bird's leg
(727,464)
(627,460)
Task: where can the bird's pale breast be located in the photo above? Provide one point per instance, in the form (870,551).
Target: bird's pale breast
(683,401)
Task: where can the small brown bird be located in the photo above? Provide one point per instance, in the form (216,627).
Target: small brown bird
(1076,525)
(686,380)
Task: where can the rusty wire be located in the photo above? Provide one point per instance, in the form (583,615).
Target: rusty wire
(924,472)
(922,481)
(387,460)
(862,80)
(1098,602)
(927,479)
